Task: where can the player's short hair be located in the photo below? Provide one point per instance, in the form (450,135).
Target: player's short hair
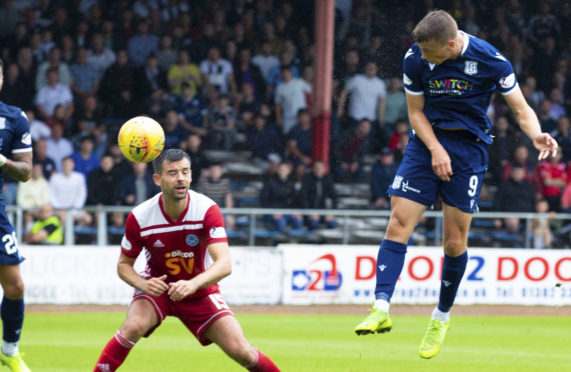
(437,25)
(170,155)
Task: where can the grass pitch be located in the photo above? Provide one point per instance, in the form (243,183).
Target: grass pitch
(61,342)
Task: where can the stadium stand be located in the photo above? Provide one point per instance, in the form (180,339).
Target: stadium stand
(126,58)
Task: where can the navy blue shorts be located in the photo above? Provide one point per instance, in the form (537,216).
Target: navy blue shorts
(415,179)
(9,252)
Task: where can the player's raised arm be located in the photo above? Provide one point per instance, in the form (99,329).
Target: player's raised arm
(529,123)
(126,271)
(221,268)
(441,164)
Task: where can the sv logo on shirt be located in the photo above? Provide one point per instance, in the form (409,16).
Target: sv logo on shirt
(176,264)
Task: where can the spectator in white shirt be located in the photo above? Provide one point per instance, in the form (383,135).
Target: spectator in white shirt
(38,129)
(67,188)
(217,72)
(53,94)
(368,94)
(289,99)
(99,56)
(54,61)
(58,147)
(265,60)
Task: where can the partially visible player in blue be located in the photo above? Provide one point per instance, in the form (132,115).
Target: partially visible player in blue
(449,79)
(16,162)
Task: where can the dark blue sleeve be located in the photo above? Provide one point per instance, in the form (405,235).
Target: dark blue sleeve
(503,74)
(22,140)
(412,67)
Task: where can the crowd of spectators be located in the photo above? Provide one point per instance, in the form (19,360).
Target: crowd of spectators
(238,74)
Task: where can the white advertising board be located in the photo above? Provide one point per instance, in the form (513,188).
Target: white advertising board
(346,274)
(88,274)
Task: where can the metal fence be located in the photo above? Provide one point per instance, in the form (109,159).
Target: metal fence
(100,228)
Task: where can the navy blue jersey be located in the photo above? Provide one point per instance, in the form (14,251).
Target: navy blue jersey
(14,133)
(14,138)
(458,92)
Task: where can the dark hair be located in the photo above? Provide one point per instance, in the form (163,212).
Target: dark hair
(437,25)
(170,155)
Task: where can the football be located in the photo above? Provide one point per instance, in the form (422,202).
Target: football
(141,139)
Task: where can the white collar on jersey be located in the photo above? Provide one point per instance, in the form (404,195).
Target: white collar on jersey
(466,41)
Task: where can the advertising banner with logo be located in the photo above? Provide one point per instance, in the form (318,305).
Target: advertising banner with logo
(346,275)
(256,277)
(83,275)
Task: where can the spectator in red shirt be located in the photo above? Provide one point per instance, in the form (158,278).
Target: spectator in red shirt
(553,179)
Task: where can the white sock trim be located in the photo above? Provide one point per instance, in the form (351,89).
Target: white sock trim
(382,305)
(441,316)
(10,348)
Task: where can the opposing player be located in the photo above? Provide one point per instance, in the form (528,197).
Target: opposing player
(449,78)
(16,162)
(187,254)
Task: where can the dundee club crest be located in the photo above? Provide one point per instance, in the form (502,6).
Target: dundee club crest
(470,67)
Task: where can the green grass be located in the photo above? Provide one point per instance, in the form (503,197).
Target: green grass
(72,342)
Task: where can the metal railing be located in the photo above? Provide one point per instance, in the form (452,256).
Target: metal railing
(16,216)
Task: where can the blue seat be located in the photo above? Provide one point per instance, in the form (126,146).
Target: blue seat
(235,234)
(483,222)
(266,234)
(85,230)
(300,233)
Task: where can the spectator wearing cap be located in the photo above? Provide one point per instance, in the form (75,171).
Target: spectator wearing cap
(382,174)
(142,44)
(84,158)
(289,99)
